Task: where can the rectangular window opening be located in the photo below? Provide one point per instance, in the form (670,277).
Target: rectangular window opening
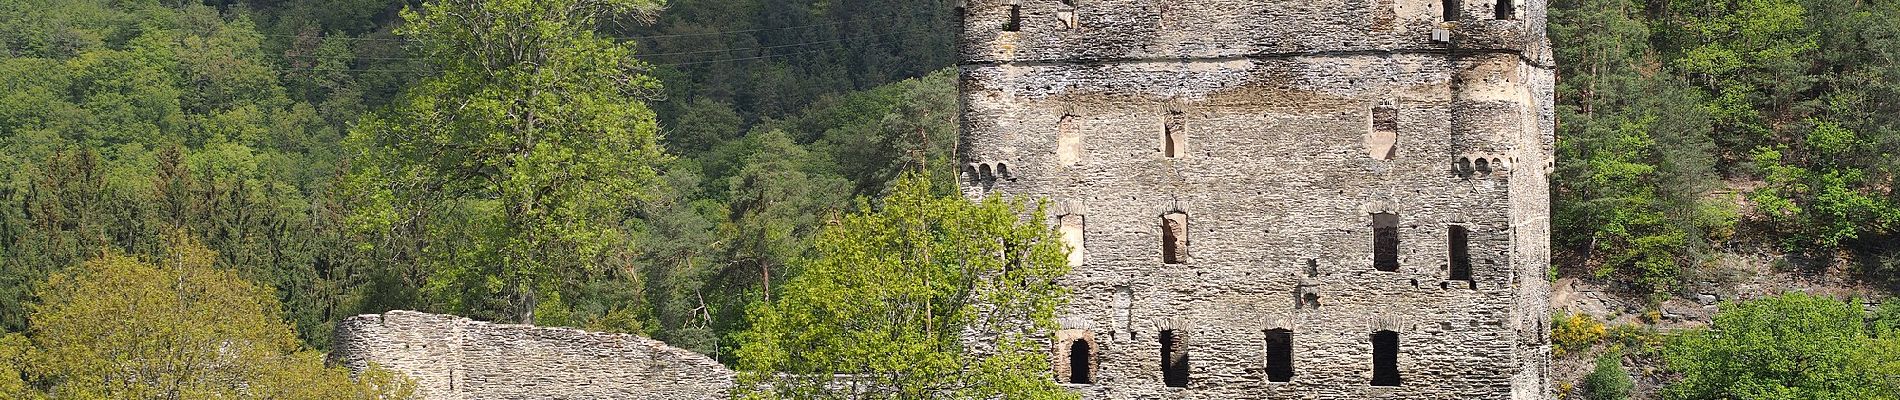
(1174,240)
(1385,242)
(1174,140)
(1383,144)
(1174,359)
(1452,10)
(1015,19)
(1279,355)
(1073,233)
(1460,242)
(1068,141)
(1385,358)
(1507,9)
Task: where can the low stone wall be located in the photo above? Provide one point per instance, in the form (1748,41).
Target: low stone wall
(454,358)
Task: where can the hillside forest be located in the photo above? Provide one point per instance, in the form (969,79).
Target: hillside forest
(672,169)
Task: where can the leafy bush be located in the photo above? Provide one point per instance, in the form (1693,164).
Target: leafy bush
(1574,332)
(1794,346)
(1608,381)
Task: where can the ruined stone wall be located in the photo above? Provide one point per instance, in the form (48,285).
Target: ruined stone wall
(454,358)
(1292,123)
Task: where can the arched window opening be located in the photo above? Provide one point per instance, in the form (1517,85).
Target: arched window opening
(1460,243)
(1002,172)
(1385,358)
(1079,355)
(1174,359)
(985,173)
(1385,242)
(1279,355)
(1483,166)
(1507,9)
(1174,240)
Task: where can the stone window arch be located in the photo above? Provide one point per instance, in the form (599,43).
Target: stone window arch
(1081,361)
(1385,241)
(1174,238)
(1075,355)
(1385,358)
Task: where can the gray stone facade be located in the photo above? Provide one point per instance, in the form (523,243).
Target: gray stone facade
(454,358)
(1223,167)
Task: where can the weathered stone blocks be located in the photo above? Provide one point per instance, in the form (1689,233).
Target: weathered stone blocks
(454,358)
(1237,158)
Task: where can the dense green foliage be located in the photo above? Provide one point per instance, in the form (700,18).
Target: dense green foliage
(1683,119)
(1608,381)
(1794,346)
(118,328)
(245,124)
(889,295)
(509,172)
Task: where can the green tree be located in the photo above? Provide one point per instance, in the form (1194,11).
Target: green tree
(889,295)
(1794,346)
(119,328)
(519,158)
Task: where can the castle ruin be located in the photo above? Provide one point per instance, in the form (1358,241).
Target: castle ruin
(454,358)
(1314,199)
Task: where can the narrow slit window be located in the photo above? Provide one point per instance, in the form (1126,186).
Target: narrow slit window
(1015,19)
(1452,12)
(1174,239)
(1460,243)
(1279,355)
(1385,358)
(1385,242)
(1507,9)
(1173,139)
(1079,354)
(1174,359)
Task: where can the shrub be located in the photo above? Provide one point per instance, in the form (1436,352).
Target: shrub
(1574,332)
(1608,381)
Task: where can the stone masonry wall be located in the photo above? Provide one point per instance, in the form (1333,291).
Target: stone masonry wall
(454,358)
(1293,123)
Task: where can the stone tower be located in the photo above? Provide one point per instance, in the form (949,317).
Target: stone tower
(1299,199)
